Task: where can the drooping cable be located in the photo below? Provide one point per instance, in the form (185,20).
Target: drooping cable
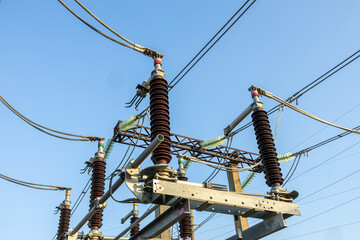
(309,86)
(276,98)
(81,197)
(146,51)
(32,185)
(47,130)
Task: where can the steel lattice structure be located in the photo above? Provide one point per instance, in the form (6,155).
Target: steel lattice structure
(191,146)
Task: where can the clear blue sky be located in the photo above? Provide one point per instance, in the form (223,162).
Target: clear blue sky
(58,72)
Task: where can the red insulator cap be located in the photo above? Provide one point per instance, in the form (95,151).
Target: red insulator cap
(254,94)
(158,61)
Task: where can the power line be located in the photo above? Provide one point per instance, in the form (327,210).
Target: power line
(41,127)
(312,168)
(146,51)
(32,185)
(309,86)
(329,185)
(326,211)
(323,230)
(328,196)
(207,44)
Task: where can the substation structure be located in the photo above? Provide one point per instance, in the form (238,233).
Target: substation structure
(173,196)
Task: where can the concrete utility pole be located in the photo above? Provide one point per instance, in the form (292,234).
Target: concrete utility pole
(241,223)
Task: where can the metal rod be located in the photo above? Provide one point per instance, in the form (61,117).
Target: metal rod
(94,209)
(237,120)
(137,221)
(159,138)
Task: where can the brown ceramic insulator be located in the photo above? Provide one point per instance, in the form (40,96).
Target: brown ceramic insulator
(97,190)
(185,227)
(160,119)
(267,148)
(63,223)
(183,178)
(136,228)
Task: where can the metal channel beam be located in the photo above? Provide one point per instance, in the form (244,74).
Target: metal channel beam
(205,199)
(174,214)
(262,229)
(181,145)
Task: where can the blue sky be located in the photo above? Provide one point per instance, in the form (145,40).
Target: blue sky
(58,72)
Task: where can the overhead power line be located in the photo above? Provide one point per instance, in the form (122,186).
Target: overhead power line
(179,77)
(32,185)
(308,87)
(207,48)
(47,130)
(146,51)
(323,230)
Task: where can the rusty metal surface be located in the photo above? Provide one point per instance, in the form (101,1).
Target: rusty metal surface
(189,146)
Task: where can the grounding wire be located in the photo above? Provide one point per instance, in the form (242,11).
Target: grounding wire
(305,89)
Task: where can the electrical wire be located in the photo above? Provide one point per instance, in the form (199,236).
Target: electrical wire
(308,87)
(288,175)
(33,185)
(81,197)
(41,127)
(321,163)
(329,185)
(331,195)
(214,42)
(207,44)
(323,230)
(134,46)
(272,96)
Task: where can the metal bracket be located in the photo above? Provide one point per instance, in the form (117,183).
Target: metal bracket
(175,213)
(132,176)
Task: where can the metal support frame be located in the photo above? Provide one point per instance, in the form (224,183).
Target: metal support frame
(263,229)
(204,199)
(181,144)
(176,212)
(241,223)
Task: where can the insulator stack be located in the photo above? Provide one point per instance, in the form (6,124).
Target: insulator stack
(97,190)
(160,119)
(185,227)
(136,228)
(63,222)
(267,148)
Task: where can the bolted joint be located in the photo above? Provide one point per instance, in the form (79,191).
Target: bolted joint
(157,72)
(100,155)
(95,235)
(257,105)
